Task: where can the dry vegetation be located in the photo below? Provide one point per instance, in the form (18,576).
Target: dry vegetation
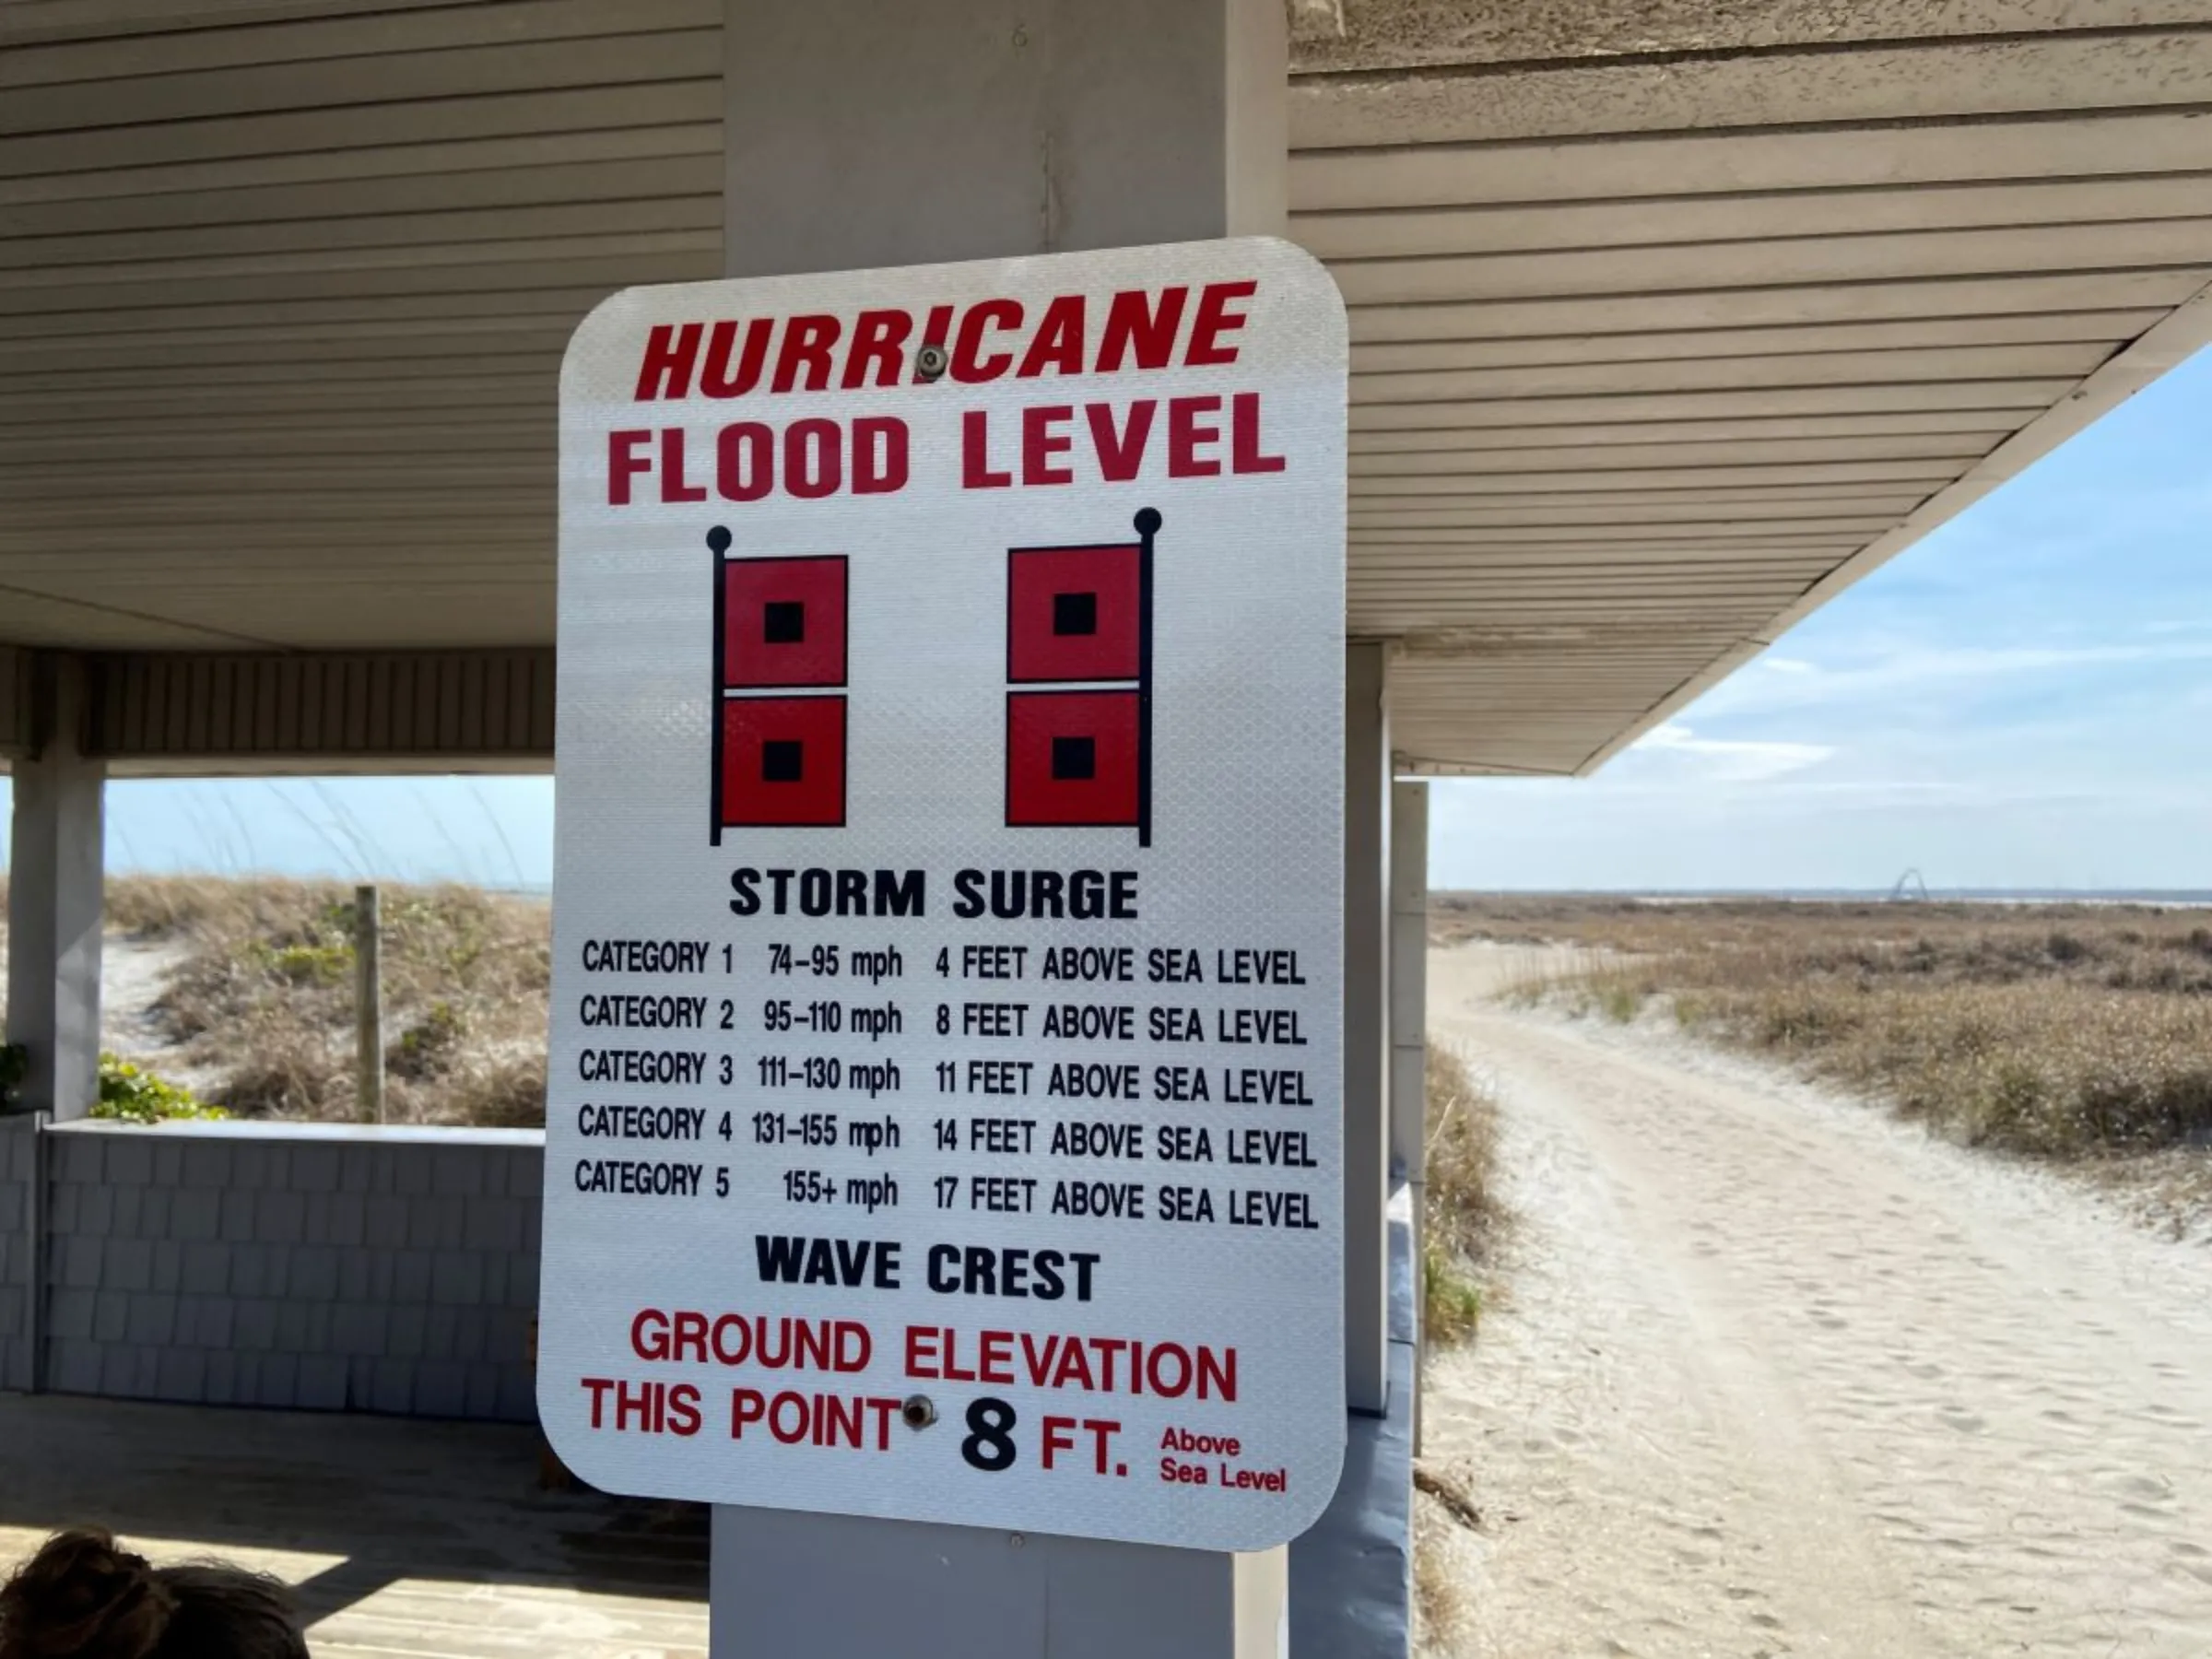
(1461,1219)
(259,1000)
(1463,1225)
(2059,1032)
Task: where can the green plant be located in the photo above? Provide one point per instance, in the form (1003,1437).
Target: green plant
(15,1066)
(1451,1303)
(1621,1002)
(430,1046)
(131,1094)
(1461,1217)
(320,964)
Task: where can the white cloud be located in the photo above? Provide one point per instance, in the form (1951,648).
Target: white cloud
(1728,760)
(2021,700)
(1804,684)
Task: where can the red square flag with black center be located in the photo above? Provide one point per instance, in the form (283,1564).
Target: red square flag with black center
(783,622)
(1072,613)
(1071,757)
(783,760)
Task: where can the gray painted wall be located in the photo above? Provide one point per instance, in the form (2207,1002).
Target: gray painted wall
(15,1151)
(336,1269)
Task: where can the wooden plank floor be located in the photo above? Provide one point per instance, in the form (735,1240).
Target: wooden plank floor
(405,1540)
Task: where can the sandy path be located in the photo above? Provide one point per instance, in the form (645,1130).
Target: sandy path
(1776,1376)
(134,976)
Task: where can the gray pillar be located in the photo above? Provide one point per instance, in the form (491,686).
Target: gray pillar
(838,1587)
(1366,1027)
(1408,976)
(860,133)
(1409,1025)
(54,894)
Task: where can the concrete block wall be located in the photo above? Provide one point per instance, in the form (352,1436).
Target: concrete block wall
(310,1267)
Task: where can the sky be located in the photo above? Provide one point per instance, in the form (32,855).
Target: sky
(2021,700)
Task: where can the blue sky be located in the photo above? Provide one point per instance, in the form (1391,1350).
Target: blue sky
(2022,700)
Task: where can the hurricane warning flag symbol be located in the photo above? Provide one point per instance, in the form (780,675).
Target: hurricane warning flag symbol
(779,666)
(1079,622)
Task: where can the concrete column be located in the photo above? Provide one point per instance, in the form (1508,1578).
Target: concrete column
(1408,977)
(1409,1025)
(861,133)
(1366,1027)
(839,1587)
(57,853)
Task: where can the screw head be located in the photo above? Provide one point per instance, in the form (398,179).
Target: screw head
(930,362)
(919,1411)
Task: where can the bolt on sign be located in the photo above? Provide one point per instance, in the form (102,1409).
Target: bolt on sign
(944,1116)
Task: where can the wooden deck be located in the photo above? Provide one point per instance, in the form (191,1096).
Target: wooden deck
(405,1539)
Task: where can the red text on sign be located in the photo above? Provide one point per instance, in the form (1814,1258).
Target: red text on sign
(751,459)
(791,1419)
(1137,329)
(1060,1436)
(643,1407)
(1114,443)
(1090,1364)
(778,1343)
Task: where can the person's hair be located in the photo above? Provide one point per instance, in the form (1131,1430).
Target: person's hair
(82,1597)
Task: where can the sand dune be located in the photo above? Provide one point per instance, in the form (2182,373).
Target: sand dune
(1778,1376)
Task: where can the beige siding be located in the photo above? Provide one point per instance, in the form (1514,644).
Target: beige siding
(283,293)
(16,737)
(1653,351)
(1670,320)
(186,711)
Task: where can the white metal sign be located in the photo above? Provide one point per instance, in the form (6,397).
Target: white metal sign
(943,1113)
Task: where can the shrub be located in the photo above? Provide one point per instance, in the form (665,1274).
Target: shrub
(430,1046)
(1621,1002)
(290,1074)
(2066,947)
(262,995)
(131,1094)
(1461,1219)
(503,1093)
(2059,1032)
(1451,1303)
(305,964)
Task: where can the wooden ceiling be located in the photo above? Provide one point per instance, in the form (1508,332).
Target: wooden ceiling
(1665,327)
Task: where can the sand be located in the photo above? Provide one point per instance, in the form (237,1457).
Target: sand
(1776,1375)
(133,977)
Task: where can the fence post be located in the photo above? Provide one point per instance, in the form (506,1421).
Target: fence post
(368,1008)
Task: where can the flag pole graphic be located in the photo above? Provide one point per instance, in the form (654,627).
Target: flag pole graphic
(1148,526)
(718,543)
